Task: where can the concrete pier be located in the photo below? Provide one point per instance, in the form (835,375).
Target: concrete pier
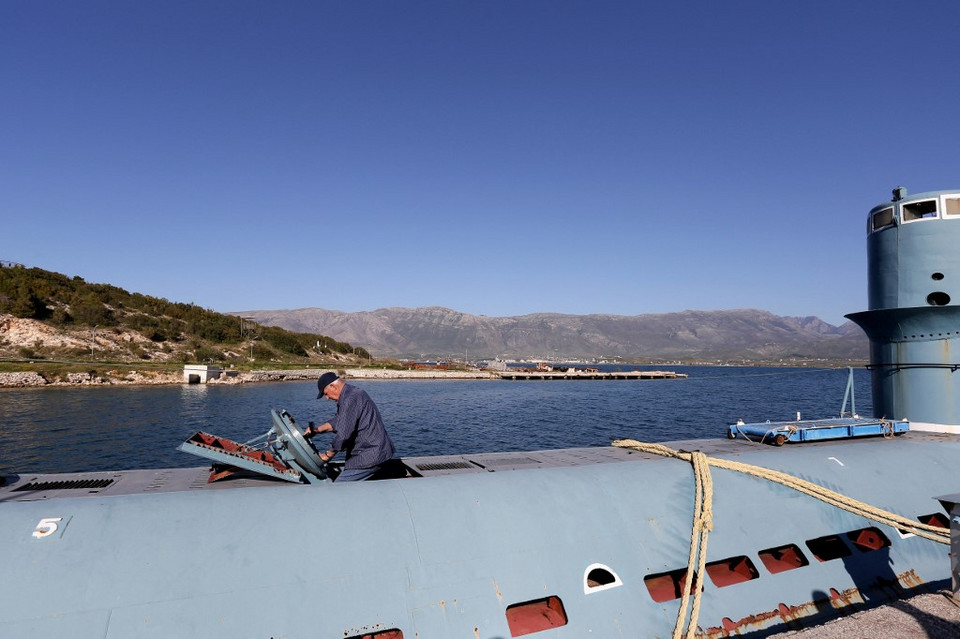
(581,374)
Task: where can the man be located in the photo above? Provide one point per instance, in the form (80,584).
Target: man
(357,430)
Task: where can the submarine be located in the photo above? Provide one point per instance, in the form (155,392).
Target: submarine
(772,527)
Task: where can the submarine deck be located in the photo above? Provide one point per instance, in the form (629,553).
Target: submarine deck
(34,487)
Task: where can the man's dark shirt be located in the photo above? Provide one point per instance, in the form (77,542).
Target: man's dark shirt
(359,431)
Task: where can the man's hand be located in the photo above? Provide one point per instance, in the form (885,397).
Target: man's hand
(313,430)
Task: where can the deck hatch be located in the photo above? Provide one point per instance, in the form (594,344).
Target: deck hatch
(70,484)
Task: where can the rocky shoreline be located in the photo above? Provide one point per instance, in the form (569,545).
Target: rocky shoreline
(130,378)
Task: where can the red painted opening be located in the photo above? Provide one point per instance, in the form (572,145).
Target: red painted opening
(382,634)
(828,548)
(783,558)
(867,539)
(733,570)
(534,616)
(935,519)
(665,586)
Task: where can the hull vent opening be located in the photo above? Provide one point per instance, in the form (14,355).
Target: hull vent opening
(828,548)
(665,586)
(445,466)
(867,539)
(934,519)
(75,484)
(734,570)
(783,558)
(529,617)
(382,634)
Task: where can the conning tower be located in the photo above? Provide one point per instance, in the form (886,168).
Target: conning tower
(913,321)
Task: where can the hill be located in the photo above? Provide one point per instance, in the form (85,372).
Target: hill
(46,315)
(745,335)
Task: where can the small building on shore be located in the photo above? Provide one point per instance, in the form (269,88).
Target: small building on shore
(200,373)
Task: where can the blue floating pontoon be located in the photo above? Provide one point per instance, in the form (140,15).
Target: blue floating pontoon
(809,430)
(780,433)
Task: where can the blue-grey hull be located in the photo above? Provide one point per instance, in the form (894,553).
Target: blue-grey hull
(447,556)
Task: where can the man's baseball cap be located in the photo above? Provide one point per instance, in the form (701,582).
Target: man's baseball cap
(325,379)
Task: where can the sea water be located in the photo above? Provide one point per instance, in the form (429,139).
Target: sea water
(96,429)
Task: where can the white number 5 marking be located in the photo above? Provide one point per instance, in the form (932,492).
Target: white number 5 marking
(47,527)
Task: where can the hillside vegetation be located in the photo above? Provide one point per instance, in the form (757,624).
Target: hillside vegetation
(46,316)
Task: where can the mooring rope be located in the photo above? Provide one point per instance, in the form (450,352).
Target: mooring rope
(703,514)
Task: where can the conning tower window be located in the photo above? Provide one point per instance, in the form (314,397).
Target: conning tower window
(922,210)
(951,205)
(881,219)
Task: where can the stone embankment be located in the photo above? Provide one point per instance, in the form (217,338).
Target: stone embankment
(120,378)
(349,373)
(109,378)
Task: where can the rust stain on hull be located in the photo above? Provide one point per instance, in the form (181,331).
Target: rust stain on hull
(810,613)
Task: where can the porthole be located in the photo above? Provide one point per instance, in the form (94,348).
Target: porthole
(937,276)
(938,298)
(598,577)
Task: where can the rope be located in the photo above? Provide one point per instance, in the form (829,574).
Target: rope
(703,513)
(702,525)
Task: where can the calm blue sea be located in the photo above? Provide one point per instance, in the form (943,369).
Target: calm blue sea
(94,429)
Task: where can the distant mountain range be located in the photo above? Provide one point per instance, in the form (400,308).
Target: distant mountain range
(744,335)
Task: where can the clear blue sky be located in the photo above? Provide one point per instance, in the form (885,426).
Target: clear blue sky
(494,157)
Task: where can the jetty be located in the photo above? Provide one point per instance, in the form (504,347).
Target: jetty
(525,375)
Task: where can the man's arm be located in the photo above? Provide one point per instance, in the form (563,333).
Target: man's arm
(326,427)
